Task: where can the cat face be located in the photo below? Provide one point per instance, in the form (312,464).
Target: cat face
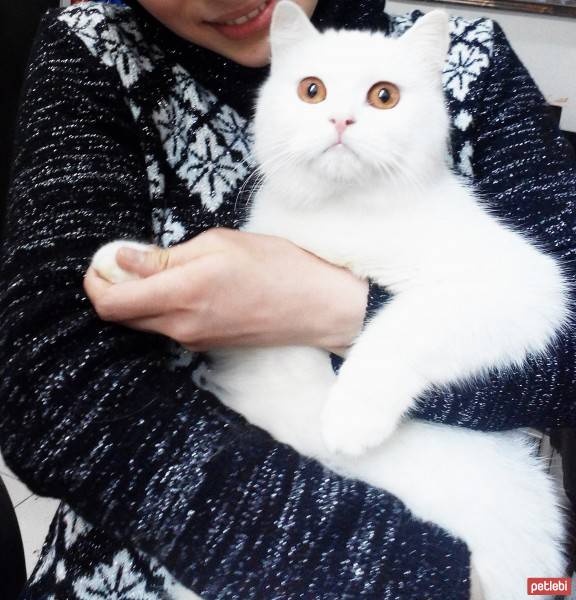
(352,106)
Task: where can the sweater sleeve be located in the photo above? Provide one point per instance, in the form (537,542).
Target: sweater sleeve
(90,413)
(526,172)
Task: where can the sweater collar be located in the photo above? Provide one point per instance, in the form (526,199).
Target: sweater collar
(235,84)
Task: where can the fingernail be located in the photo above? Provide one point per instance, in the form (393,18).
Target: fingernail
(135,257)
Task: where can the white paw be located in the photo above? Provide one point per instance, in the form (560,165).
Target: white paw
(104,261)
(357,418)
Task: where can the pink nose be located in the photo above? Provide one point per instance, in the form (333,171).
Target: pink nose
(342,124)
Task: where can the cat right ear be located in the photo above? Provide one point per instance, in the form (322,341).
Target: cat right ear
(430,34)
(290,26)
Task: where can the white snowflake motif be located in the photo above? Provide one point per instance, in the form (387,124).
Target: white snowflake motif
(236,131)
(399,24)
(463,120)
(213,169)
(464,164)
(457,26)
(135,110)
(61,571)
(74,527)
(156,179)
(171,588)
(110,34)
(167,230)
(175,127)
(213,158)
(469,52)
(464,65)
(481,33)
(177,117)
(117,581)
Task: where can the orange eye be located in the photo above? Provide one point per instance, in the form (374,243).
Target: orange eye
(312,90)
(384,95)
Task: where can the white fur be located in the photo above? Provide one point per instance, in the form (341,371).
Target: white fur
(104,261)
(487,489)
(470,294)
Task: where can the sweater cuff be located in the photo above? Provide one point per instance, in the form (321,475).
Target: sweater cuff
(377,297)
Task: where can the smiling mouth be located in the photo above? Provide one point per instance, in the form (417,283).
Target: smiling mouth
(247,17)
(245,22)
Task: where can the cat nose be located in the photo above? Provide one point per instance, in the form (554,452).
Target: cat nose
(342,124)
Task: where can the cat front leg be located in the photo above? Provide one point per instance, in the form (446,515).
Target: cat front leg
(367,403)
(386,370)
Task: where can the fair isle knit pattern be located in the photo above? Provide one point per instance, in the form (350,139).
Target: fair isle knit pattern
(106,419)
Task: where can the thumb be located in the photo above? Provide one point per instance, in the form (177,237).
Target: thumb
(144,261)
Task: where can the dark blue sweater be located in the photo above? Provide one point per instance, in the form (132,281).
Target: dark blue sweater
(111,127)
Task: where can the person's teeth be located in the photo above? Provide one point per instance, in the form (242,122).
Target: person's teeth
(248,17)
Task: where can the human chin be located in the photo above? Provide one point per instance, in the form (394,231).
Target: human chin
(253,54)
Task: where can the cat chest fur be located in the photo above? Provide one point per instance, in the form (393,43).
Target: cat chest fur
(401,237)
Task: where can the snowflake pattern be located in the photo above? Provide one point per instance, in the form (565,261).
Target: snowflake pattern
(468,56)
(110,33)
(465,159)
(462,120)
(116,581)
(211,158)
(156,178)
(167,230)
(464,65)
(125,574)
(74,527)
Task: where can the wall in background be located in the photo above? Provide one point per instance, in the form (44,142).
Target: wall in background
(545,44)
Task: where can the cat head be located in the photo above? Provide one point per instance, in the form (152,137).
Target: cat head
(342,107)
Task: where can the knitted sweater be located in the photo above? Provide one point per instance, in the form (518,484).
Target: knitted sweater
(127,132)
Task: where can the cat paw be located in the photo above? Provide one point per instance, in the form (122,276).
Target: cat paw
(104,261)
(353,424)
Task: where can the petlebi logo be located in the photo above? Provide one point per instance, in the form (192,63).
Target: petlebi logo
(545,586)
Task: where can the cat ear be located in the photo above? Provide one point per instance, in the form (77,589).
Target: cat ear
(430,35)
(290,25)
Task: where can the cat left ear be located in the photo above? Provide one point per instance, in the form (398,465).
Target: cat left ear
(290,25)
(431,35)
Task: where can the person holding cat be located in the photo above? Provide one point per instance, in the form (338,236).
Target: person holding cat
(148,110)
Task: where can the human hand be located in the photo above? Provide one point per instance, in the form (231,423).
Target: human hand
(229,288)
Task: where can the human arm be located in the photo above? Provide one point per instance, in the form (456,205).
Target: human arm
(90,413)
(282,295)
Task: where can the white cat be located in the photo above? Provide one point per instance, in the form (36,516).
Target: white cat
(351,137)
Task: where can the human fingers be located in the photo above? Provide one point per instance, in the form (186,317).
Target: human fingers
(149,261)
(155,295)
(94,285)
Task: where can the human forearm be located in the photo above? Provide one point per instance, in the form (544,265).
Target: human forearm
(227,288)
